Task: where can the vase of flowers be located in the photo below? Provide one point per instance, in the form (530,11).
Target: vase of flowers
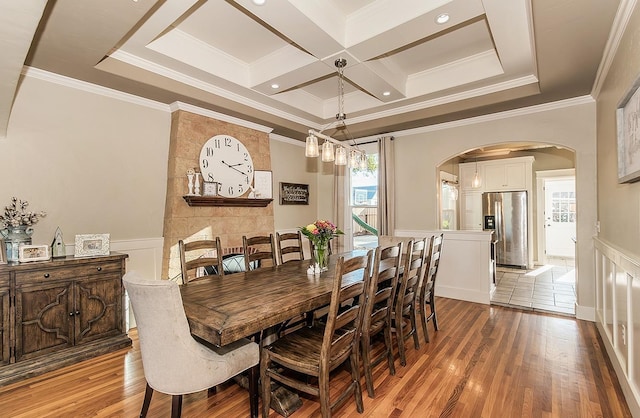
(16,226)
(320,233)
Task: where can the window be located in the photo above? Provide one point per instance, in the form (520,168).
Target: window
(364,202)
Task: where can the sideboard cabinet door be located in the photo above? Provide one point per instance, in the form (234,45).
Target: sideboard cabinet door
(5,353)
(43,319)
(99,304)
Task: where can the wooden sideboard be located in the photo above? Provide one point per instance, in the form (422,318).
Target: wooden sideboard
(59,312)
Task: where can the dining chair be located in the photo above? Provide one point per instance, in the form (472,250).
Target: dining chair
(377,309)
(404,313)
(427,295)
(258,248)
(289,246)
(318,350)
(173,361)
(200,254)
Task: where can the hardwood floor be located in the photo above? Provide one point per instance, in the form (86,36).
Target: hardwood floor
(486,361)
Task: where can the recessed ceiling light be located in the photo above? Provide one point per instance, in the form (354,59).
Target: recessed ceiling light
(275,86)
(259,2)
(442,18)
(386,93)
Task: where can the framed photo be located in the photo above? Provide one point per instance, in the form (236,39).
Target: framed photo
(628,127)
(3,252)
(33,253)
(294,194)
(262,184)
(90,245)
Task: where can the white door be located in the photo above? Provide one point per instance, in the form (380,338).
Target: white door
(560,217)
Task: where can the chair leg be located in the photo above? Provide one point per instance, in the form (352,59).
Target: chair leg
(176,406)
(432,303)
(389,348)
(325,403)
(355,373)
(266,383)
(147,400)
(425,320)
(400,338)
(414,326)
(366,364)
(254,372)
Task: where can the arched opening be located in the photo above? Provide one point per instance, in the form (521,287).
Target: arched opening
(525,193)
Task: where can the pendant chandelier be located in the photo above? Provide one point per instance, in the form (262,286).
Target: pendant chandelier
(334,150)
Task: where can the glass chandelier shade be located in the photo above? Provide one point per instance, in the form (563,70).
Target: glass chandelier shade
(341,156)
(311,149)
(327,151)
(354,159)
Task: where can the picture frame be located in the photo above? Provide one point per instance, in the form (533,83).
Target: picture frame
(628,135)
(27,253)
(3,252)
(263,184)
(89,245)
(294,194)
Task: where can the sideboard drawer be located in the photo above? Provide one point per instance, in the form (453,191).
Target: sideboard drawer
(66,273)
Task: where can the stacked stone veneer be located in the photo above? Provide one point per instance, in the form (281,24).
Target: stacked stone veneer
(189,132)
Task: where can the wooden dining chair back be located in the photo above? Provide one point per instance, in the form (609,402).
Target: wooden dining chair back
(427,295)
(173,361)
(404,313)
(258,249)
(316,351)
(289,246)
(377,310)
(199,255)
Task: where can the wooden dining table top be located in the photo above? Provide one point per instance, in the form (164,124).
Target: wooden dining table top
(224,309)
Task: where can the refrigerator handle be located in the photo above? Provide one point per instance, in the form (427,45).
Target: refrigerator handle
(499,221)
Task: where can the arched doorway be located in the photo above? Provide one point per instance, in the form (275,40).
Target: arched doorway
(547,283)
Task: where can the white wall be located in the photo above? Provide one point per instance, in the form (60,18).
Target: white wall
(570,124)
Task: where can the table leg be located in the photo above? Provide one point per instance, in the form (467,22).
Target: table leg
(254,373)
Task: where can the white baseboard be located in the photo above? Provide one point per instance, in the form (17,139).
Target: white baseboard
(462,294)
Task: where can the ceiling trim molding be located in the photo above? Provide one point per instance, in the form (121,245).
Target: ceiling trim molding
(545,107)
(620,22)
(287,140)
(147,65)
(219,116)
(469,94)
(92,88)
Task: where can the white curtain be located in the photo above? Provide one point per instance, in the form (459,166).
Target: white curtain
(339,206)
(386,179)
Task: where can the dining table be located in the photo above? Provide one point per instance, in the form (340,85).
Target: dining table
(224,309)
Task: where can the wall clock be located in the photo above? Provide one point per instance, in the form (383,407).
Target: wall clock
(226,161)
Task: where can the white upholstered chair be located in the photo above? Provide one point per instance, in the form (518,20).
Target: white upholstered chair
(173,361)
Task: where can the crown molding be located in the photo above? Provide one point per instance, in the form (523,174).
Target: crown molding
(620,22)
(91,88)
(545,107)
(287,140)
(219,116)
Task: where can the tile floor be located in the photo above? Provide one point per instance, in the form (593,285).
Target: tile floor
(549,288)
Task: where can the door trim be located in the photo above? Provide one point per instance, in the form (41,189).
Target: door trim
(541,177)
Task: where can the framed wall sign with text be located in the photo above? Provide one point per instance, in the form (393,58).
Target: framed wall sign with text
(294,194)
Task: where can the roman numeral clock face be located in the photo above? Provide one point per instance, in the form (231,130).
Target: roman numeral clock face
(225,160)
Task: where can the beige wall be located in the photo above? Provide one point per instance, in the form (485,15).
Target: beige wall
(289,165)
(418,155)
(95,164)
(618,204)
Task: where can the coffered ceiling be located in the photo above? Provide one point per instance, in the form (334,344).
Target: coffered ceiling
(404,70)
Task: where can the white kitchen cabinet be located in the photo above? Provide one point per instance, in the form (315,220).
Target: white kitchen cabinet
(471,210)
(506,176)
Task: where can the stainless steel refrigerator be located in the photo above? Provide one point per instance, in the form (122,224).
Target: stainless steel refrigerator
(506,214)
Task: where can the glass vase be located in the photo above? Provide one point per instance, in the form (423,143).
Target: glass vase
(14,236)
(321,256)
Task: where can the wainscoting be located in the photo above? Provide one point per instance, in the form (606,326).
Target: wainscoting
(618,315)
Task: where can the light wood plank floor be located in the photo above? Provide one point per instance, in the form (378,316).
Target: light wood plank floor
(486,361)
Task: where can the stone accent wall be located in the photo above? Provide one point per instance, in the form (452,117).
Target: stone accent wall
(189,132)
